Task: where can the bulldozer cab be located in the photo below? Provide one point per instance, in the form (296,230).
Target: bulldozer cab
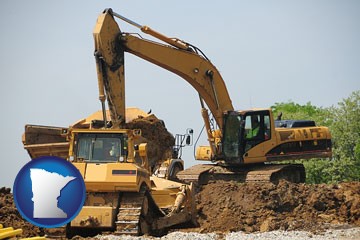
(101,147)
(243,131)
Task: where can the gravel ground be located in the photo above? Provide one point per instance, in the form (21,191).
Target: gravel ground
(341,234)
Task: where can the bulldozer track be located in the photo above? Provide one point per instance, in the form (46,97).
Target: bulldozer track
(129,215)
(136,213)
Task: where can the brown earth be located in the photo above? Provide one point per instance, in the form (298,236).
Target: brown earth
(251,207)
(159,140)
(10,217)
(229,206)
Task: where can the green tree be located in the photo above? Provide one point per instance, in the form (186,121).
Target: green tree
(345,130)
(296,111)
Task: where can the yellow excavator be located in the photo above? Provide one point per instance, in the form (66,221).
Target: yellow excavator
(243,143)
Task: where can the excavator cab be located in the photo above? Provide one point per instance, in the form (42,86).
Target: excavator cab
(242,132)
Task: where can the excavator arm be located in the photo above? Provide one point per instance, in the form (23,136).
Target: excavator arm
(176,56)
(109,55)
(192,67)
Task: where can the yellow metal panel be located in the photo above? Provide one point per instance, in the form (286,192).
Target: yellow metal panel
(111,187)
(81,167)
(160,183)
(48,149)
(164,198)
(104,216)
(113,177)
(96,173)
(164,191)
(126,178)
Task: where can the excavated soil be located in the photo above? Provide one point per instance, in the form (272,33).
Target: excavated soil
(250,207)
(229,207)
(10,217)
(159,140)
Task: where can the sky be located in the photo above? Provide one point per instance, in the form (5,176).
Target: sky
(267,51)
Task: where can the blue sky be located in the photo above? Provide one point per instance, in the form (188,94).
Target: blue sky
(267,52)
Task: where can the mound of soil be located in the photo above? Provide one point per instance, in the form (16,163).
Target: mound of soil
(10,217)
(250,207)
(159,140)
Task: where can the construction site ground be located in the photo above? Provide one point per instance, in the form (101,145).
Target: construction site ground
(251,209)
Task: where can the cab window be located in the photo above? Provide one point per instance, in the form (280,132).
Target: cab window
(257,128)
(231,138)
(100,147)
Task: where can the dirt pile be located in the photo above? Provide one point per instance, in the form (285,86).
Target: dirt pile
(159,140)
(10,217)
(263,207)
(249,207)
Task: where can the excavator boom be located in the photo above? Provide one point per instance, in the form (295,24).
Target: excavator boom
(179,58)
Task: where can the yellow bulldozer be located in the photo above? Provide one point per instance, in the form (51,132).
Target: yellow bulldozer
(123,194)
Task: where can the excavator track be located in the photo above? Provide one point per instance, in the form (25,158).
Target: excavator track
(204,173)
(275,172)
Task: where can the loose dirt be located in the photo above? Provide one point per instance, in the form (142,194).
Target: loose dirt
(231,207)
(10,217)
(251,207)
(159,140)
